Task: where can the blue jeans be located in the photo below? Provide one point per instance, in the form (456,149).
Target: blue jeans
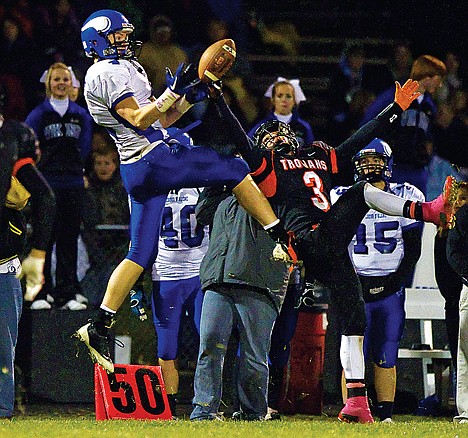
(254,315)
(11,304)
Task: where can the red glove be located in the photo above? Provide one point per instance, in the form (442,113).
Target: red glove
(405,94)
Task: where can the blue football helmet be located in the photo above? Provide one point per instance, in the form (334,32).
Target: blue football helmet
(277,136)
(373,172)
(96,31)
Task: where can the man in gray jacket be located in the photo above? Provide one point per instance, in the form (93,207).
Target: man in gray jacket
(244,288)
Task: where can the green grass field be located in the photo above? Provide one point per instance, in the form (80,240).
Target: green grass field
(83,424)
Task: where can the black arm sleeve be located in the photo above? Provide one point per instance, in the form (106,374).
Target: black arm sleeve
(8,153)
(412,240)
(42,203)
(379,125)
(237,135)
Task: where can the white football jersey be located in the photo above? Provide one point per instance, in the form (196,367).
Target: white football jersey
(377,247)
(106,83)
(182,242)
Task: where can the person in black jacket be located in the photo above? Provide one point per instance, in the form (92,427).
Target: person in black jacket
(457,254)
(20,181)
(244,288)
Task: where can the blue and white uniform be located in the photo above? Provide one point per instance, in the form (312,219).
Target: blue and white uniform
(150,167)
(176,282)
(377,251)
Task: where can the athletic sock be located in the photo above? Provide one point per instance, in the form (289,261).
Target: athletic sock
(385,410)
(104,321)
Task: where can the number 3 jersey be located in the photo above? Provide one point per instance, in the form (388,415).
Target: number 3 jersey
(377,247)
(182,241)
(298,188)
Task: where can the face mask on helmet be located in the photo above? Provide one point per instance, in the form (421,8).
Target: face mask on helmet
(277,136)
(374,162)
(99,38)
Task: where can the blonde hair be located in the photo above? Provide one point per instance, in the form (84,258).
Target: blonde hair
(55,66)
(427,66)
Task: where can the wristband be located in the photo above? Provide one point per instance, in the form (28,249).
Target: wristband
(165,101)
(183,105)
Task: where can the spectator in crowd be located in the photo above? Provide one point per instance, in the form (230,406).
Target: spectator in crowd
(457,247)
(384,252)
(64,130)
(190,19)
(101,141)
(275,37)
(349,123)
(238,79)
(151,163)
(23,12)
(160,51)
(397,68)
(299,191)
(215,30)
(345,81)
(20,182)
(18,55)
(413,143)
(449,158)
(234,292)
(58,32)
(285,97)
(106,204)
(452,81)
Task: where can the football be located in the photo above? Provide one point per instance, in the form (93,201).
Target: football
(217,60)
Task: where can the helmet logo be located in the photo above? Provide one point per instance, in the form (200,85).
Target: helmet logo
(101,24)
(386,149)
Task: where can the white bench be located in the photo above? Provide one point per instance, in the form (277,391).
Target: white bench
(424,302)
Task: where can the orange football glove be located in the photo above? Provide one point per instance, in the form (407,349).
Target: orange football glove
(406,94)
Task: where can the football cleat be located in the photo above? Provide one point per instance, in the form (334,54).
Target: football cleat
(356,410)
(272,414)
(242,416)
(98,346)
(440,211)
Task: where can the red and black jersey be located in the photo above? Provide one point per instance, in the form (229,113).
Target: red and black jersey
(298,188)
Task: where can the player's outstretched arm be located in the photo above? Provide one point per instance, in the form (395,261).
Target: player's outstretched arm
(229,120)
(388,119)
(181,93)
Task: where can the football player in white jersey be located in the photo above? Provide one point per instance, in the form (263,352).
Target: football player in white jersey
(384,252)
(120,98)
(176,282)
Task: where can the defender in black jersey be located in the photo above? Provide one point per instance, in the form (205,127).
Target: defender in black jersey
(297,183)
